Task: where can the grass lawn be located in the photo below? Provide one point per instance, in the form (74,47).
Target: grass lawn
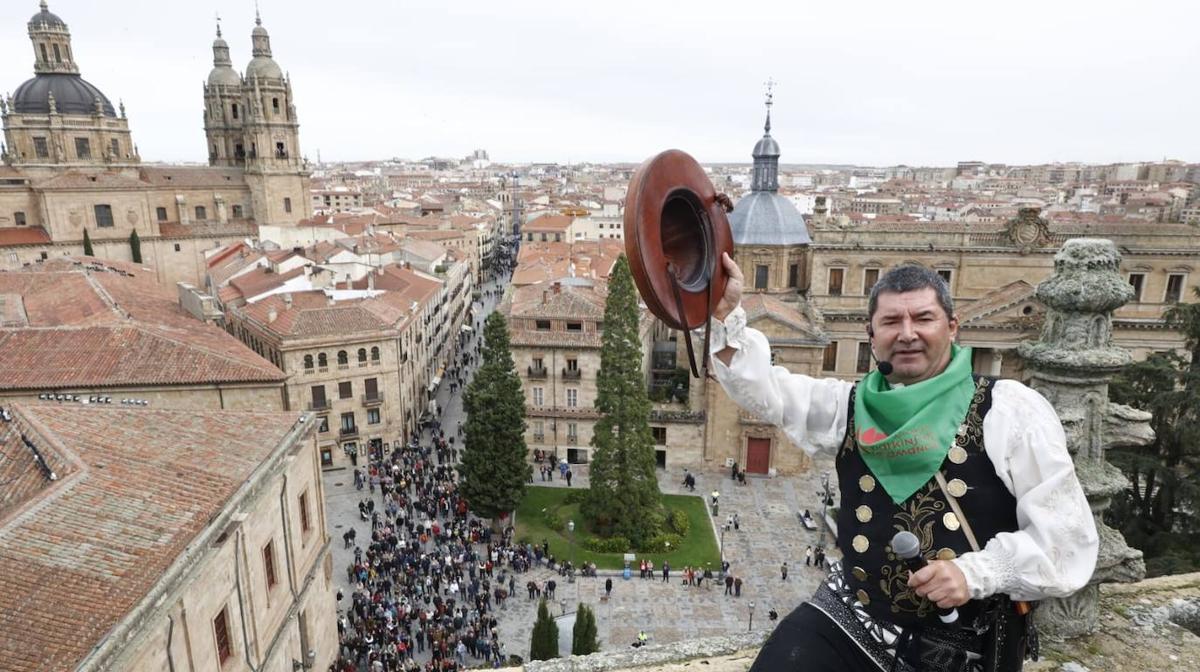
(699,546)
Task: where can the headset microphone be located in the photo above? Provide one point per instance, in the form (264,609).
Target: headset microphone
(885,368)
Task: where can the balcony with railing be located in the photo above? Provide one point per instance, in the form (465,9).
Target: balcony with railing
(572,374)
(537,372)
(369,400)
(318,405)
(348,432)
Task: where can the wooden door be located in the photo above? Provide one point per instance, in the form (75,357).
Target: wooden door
(758,455)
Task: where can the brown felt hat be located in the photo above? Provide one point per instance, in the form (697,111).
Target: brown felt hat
(675,232)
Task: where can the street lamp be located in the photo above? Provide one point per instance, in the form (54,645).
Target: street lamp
(751,618)
(571,530)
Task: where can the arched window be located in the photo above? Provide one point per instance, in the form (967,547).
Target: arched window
(343,358)
(375,354)
(362,355)
(308,362)
(322,361)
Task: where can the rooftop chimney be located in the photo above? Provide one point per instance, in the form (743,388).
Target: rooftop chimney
(287,300)
(545,297)
(557,288)
(272,314)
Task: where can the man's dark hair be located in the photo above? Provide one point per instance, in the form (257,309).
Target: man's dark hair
(911,278)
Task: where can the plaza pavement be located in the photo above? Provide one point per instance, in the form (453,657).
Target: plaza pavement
(770,534)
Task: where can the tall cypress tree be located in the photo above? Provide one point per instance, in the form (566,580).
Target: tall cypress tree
(494,469)
(624,496)
(583,635)
(543,643)
(135,247)
(87,245)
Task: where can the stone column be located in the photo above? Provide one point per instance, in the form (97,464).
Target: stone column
(997,361)
(1071,365)
(219,200)
(182,207)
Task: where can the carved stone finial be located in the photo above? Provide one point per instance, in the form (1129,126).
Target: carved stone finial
(1071,365)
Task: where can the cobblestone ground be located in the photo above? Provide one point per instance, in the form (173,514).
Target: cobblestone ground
(770,535)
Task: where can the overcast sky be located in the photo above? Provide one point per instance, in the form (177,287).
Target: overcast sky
(867,82)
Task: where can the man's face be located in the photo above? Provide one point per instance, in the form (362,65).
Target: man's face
(913,333)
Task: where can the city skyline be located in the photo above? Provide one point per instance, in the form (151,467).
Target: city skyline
(538,82)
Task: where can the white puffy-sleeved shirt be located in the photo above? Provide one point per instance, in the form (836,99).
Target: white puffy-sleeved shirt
(1053,554)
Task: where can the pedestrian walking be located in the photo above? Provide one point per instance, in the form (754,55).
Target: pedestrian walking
(568,475)
(608,587)
(729,584)
(783,572)
(808,556)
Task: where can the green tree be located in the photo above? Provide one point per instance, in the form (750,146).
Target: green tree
(543,644)
(135,247)
(624,499)
(1158,513)
(494,469)
(87,245)
(583,636)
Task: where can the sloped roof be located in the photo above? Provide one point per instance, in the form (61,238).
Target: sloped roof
(23,235)
(102,324)
(995,301)
(135,487)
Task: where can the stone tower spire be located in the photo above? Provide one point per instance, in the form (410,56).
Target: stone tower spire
(51,43)
(766,153)
(221,57)
(223,107)
(260,40)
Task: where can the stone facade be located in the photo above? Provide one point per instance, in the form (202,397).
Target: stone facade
(366,361)
(69,170)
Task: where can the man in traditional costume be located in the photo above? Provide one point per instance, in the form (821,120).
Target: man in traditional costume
(977,468)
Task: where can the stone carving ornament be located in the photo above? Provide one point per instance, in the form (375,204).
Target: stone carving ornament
(1028,230)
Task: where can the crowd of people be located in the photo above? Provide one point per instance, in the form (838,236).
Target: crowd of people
(427,579)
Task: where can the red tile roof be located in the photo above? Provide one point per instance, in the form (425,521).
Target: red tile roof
(135,488)
(104,324)
(23,235)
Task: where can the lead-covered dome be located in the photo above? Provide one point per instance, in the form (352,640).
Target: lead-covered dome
(766,218)
(46,17)
(72,95)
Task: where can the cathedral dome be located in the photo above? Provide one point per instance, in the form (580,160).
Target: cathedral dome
(224,75)
(72,95)
(46,17)
(766,218)
(263,67)
(766,146)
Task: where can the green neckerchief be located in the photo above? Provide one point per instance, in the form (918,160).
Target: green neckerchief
(905,432)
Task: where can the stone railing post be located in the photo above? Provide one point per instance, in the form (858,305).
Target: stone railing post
(1071,365)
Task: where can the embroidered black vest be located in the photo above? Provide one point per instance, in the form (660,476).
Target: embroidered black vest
(868,518)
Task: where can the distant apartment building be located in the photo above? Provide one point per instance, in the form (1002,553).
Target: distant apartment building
(340,199)
(365,357)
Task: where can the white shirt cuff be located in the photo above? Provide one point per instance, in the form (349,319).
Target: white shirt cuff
(729,333)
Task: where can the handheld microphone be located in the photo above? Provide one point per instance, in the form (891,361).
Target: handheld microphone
(907,547)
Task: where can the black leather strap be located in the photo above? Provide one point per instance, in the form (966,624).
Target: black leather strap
(682,317)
